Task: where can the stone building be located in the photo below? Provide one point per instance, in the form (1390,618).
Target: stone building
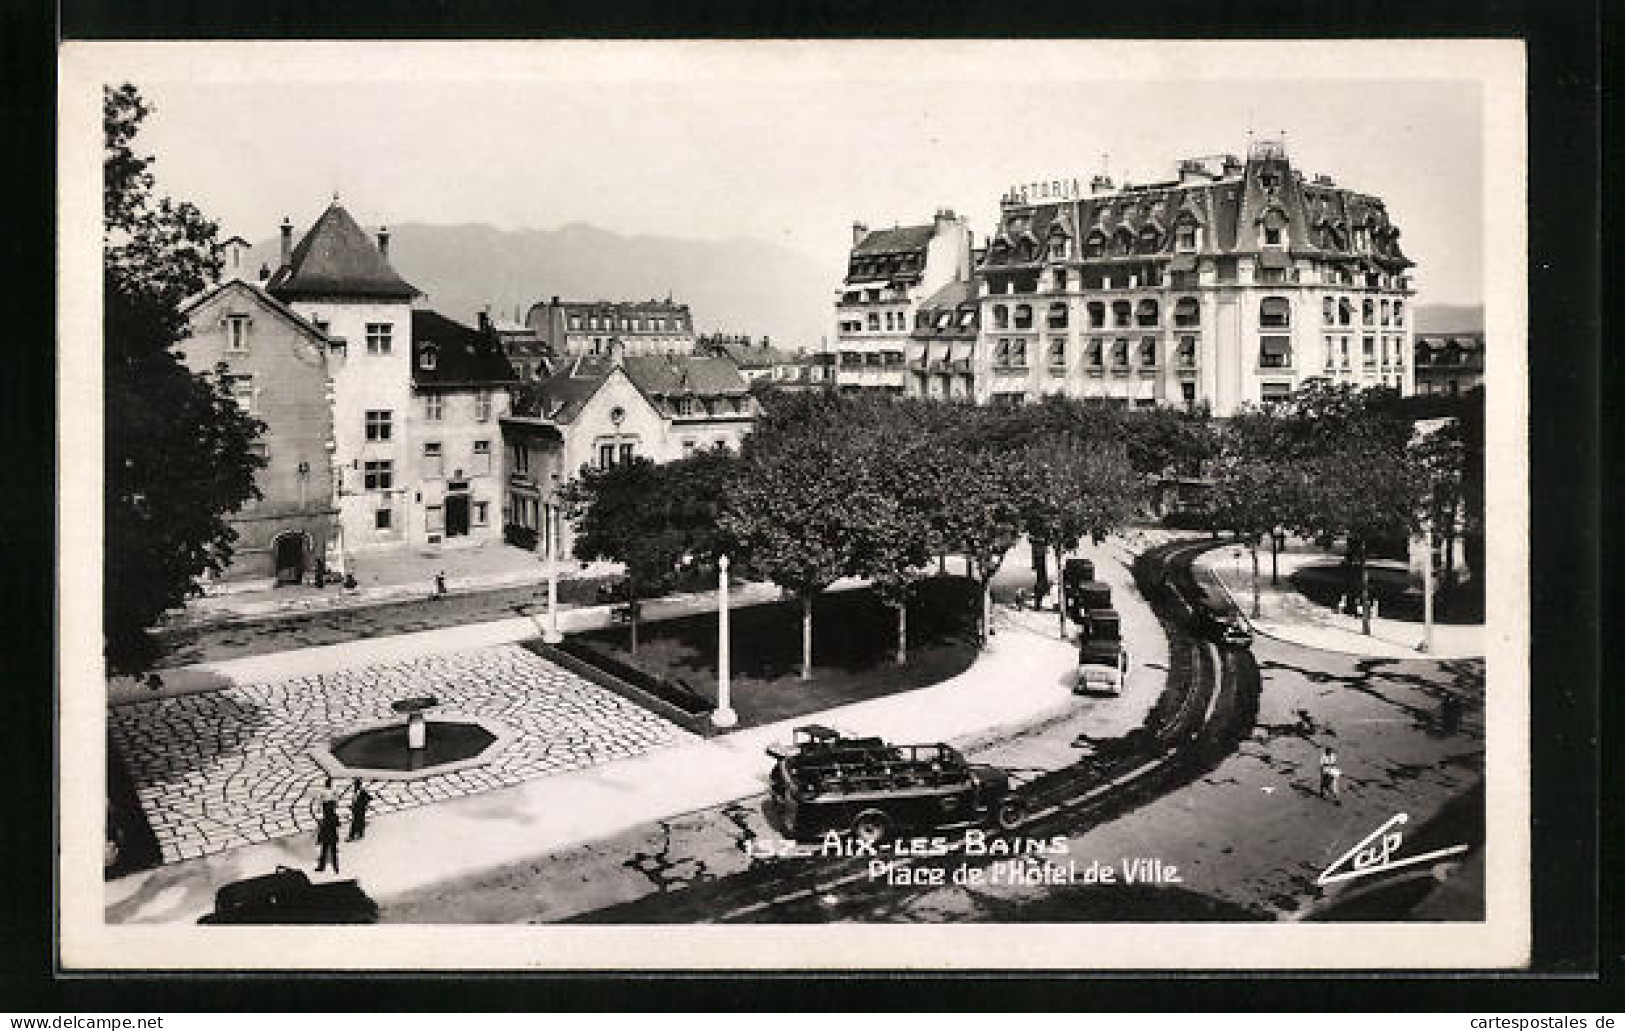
(942,346)
(1231,284)
(586,328)
(276,362)
(461,388)
(1449,363)
(889,272)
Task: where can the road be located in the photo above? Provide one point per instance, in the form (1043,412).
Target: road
(702,866)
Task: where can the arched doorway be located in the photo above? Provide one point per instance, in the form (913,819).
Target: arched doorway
(291,553)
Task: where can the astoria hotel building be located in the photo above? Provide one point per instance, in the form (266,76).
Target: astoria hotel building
(1230,285)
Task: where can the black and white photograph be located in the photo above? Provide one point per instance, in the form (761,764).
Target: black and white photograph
(794,505)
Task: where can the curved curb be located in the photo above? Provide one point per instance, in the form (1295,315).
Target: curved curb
(1257,629)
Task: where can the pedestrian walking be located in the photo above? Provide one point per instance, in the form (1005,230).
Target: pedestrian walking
(360,799)
(1330,774)
(440,584)
(327,837)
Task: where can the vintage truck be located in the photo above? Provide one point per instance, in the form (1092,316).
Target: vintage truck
(825,781)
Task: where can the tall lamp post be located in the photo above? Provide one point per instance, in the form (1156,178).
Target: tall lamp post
(1426,645)
(724,716)
(551,635)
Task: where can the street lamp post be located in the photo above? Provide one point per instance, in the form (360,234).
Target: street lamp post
(552,635)
(724,716)
(1427,592)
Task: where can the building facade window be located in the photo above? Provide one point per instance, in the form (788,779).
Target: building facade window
(874,322)
(1275,313)
(520,457)
(1120,352)
(482,513)
(433,460)
(482,406)
(1096,349)
(1275,352)
(1097,315)
(1399,313)
(434,407)
(1057,316)
(1368,312)
(1024,316)
(1060,280)
(1345,311)
(237,333)
(1057,353)
(1274,393)
(1122,314)
(378,475)
(1328,308)
(380,338)
(482,458)
(383,519)
(1148,351)
(1368,350)
(1147,313)
(428,358)
(1187,352)
(242,392)
(1387,312)
(1187,312)
(380,425)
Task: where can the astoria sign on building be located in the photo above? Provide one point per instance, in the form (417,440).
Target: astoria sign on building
(1050,189)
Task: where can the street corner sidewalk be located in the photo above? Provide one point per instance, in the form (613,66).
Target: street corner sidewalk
(1286,614)
(382,577)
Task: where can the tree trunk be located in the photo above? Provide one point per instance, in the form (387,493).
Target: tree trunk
(902,634)
(1060,595)
(1365,595)
(987,610)
(806,637)
(1040,553)
(1275,561)
(942,563)
(632,610)
(1253,548)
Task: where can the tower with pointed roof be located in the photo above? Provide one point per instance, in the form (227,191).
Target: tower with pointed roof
(340,279)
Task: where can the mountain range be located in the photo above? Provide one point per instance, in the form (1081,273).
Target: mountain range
(731,286)
(739,285)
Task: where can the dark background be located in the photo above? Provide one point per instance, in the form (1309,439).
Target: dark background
(1568,373)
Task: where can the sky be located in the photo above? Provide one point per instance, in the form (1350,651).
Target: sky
(789,143)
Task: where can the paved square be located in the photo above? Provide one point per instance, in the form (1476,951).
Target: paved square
(219,770)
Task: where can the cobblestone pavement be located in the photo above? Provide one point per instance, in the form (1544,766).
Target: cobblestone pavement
(224,769)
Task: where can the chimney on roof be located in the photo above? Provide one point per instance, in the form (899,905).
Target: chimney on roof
(555,300)
(1100,184)
(265,272)
(1324,180)
(383,240)
(859,231)
(287,241)
(485,319)
(1191,170)
(1232,166)
(945,220)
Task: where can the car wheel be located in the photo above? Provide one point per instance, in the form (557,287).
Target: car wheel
(1010,814)
(870,827)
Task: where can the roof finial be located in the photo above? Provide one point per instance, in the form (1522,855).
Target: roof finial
(335,196)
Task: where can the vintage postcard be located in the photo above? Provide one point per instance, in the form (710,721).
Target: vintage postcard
(891,504)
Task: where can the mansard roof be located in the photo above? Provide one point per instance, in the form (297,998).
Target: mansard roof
(1319,216)
(337,259)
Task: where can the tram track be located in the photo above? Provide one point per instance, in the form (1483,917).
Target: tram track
(1209,706)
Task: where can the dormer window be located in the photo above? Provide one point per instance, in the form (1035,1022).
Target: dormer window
(1058,249)
(429,358)
(1272,236)
(1185,237)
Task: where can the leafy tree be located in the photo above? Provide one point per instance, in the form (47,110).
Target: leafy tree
(981,513)
(1252,498)
(652,518)
(1365,489)
(178,449)
(803,501)
(1069,489)
(1166,441)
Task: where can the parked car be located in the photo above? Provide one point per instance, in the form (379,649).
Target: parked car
(288,897)
(825,781)
(1102,658)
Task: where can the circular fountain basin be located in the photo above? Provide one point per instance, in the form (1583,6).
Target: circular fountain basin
(379,751)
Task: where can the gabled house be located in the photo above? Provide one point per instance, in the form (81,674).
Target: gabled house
(276,363)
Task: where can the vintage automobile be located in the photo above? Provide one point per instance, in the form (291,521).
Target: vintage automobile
(1213,617)
(288,897)
(1102,658)
(825,781)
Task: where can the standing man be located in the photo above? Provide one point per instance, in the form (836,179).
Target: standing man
(440,584)
(327,837)
(1330,774)
(359,800)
